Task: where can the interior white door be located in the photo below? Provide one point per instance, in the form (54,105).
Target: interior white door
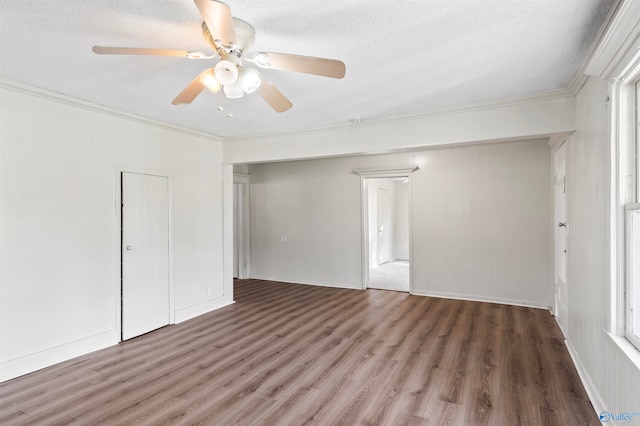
(561,237)
(384,226)
(145,253)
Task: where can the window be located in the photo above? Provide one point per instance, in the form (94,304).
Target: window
(629,199)
(632,220)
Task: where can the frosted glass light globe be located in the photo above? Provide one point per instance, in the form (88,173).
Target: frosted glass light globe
(233,91)
(226,72)
(249,80)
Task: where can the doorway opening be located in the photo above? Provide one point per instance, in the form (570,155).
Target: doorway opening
(387,260)
(241,226)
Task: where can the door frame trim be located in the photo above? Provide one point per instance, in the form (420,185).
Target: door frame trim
(366,174)
(118,240)
(244,227)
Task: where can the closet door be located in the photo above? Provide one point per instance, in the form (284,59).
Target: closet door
(145,253)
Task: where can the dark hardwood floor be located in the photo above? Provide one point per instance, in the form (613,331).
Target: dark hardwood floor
(289,354)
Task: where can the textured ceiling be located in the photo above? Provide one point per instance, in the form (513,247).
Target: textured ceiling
(403,57)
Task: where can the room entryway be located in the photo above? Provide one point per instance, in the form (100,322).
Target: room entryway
(387,217)
(145,284)
(391,275)
(241,226)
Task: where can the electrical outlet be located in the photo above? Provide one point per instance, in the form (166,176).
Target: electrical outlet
(209,291)
(283,238)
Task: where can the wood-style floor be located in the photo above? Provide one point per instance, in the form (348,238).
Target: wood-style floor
(289,354)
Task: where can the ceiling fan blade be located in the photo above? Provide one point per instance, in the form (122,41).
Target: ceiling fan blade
(102,50)
(273,96)
(217,16)
(306,64)
(194,88)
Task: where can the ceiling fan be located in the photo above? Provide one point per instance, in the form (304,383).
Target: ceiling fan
(231,38)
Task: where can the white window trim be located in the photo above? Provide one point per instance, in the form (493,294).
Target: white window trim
(624,192)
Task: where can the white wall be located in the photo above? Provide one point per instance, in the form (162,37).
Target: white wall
(481,223)
(58,255)
(608,365)
(313,206)
(612,380)
(401,221)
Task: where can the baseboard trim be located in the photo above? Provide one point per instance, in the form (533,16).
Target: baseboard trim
(589,387)
(318,283)
(193,311)
(476,298)
(36,361)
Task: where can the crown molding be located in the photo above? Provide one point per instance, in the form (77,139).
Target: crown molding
(69,100)
(581,76)
(90,106)
(578,81)
(619,44)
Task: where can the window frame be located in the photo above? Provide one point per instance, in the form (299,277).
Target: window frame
(631,206)
(627,133)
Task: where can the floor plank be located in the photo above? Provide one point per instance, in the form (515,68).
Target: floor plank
(296,354)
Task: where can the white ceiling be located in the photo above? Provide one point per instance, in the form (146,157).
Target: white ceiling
(403,57)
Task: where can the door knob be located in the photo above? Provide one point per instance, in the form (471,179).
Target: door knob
(129,247)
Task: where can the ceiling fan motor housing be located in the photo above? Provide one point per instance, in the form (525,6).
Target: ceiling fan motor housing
(245,37)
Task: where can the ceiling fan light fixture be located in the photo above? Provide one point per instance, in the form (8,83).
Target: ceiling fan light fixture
(233,91)
(249,80)
(230,38)
(226,72)
(209,80)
